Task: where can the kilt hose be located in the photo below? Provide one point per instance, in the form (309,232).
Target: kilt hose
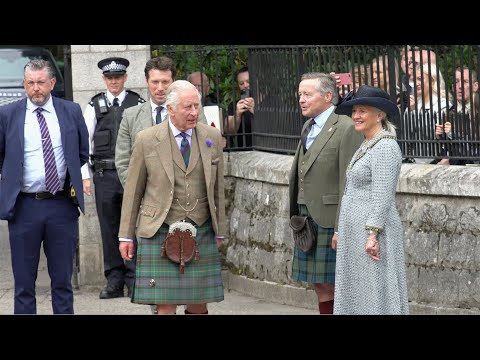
(158,279)
(317,265)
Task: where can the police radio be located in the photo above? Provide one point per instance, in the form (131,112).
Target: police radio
(102,104)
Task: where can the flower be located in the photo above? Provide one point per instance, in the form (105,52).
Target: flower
(209,142)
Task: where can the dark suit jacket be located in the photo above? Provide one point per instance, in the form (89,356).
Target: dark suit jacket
(74,141)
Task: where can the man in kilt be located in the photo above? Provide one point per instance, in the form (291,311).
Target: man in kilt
(317,180)
(175,174)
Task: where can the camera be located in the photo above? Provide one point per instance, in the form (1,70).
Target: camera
(245,94)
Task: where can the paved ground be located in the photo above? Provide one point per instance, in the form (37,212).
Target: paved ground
(88,303)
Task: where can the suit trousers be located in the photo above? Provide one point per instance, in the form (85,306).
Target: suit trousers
(108,197)
(55,223)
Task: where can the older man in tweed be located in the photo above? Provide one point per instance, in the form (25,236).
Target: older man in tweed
(317,180)
(175,174)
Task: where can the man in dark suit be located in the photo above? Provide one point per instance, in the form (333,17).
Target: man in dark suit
(317,180)
(43,144)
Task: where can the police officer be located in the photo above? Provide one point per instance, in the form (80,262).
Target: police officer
(102,116)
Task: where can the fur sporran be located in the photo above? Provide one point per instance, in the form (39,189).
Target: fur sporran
(180,245)
(304,232)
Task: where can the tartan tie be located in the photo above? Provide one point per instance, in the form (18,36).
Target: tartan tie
(185,148)
(52,182)
(158,118)
(305,134)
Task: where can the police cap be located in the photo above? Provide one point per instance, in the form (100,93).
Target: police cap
(113,66)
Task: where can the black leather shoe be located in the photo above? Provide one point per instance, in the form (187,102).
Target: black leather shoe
(110,292)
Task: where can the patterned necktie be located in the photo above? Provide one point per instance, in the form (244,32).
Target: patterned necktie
(52,182)
(305,134)
(185,148)
(115,102)
(158,119)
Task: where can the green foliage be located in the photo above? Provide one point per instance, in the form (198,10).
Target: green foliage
(219,63)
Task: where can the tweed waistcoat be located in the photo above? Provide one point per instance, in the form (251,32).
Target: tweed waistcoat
(190,190)
(302,160)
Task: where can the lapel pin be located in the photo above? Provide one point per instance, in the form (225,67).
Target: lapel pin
(330,129)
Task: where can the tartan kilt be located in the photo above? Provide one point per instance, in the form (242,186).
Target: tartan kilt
(318,265)
(158,280)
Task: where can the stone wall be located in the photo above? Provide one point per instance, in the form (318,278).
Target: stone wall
(440,211)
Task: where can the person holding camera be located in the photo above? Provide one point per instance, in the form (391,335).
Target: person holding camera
(103,115)
(239,122)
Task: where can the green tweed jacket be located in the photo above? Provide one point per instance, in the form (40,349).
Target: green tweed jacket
(324,179)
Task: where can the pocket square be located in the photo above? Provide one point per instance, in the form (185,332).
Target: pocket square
(215,161)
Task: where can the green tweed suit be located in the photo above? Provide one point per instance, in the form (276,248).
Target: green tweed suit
(324,173)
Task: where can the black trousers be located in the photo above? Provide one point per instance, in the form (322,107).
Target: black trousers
(108,198)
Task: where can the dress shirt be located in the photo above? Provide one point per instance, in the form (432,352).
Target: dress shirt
(179,138)
(33,165)
(154,112)
(318,125)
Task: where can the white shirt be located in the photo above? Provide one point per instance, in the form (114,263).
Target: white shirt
(154,112)
(91,122)
(177,135)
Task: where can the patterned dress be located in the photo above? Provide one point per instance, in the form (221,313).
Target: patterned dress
(363,285)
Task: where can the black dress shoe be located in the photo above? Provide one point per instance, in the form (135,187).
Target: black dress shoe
(110,292)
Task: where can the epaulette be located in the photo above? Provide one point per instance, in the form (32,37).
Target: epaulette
(97,95)
(140,99)
(94,97)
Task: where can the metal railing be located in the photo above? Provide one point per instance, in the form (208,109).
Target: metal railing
(420,79)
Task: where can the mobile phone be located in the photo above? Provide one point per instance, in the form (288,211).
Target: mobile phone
(245,94)
(345,78)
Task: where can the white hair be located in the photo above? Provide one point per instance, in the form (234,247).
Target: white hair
(174,90)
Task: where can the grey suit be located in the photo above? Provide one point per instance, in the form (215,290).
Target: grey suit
(134,120)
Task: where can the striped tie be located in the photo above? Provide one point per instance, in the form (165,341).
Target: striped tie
(52,182)
(185,148)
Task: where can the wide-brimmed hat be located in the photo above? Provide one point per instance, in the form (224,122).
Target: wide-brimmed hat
(371,96)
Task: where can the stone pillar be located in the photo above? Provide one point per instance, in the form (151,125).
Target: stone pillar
(87,81)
